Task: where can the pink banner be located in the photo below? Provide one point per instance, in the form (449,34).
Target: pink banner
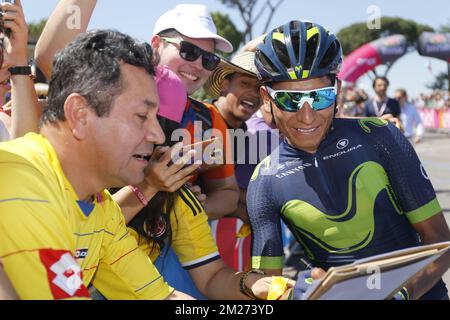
(435,118)
(359,62)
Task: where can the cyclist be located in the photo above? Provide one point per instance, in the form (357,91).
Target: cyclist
(347,188)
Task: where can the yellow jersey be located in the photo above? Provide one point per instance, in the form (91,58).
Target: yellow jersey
(192,240)
(53,245)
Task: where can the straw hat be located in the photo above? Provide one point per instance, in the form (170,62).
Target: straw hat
(243,62)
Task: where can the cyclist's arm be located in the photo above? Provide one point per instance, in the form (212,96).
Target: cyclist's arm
(432,230)
(267,244)
(217,281)
(417,199)
(68,19)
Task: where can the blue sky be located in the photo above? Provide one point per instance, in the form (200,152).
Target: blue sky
(137,17)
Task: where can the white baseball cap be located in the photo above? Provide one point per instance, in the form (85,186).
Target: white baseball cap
(193,21)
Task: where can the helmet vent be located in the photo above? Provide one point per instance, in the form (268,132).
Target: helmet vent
(330,54)
(310,52)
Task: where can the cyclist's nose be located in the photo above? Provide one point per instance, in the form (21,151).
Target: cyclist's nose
(306,114)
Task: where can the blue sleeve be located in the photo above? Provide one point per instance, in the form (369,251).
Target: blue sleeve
(265,222)
(409,180)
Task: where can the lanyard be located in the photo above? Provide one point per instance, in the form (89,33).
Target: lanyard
(379,111)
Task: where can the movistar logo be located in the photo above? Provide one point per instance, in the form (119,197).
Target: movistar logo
(354,228)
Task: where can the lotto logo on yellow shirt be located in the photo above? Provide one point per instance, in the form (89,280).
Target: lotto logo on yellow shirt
(64,274)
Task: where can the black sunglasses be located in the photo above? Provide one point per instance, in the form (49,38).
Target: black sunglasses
(190,52)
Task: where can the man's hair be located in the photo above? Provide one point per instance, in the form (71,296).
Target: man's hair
(380,78)
(402,93)
(170,33)
(90,66)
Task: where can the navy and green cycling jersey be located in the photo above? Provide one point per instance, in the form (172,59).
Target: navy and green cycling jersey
(359,195)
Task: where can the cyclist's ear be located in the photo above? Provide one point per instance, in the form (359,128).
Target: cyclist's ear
(264,95)
(339,86)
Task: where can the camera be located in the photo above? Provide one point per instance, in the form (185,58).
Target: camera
(7,32)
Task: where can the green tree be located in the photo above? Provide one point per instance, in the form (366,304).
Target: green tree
(251,11)
(357,34)
(440,82)
(227,29)
(35,30)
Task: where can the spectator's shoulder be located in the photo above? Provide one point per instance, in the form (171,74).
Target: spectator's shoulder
(29,151)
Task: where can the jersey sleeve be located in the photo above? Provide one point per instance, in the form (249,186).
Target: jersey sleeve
(267,243)
(193,241)
(34,247)
(410,182)
(125,272)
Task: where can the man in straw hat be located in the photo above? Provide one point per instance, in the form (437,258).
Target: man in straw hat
(235,88)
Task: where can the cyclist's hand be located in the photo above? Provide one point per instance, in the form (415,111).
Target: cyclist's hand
(163,175)
(263,288)
(305,280)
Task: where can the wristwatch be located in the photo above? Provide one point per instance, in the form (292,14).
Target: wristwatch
(21,70)
(243,288)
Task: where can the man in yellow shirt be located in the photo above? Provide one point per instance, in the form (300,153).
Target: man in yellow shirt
(61,230)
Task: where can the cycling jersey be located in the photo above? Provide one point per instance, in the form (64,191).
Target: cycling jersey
(53,245)
(356,196)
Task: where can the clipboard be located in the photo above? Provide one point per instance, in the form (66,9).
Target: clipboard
(359,280)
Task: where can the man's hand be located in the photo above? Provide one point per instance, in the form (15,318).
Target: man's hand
(197,191)
(163,175)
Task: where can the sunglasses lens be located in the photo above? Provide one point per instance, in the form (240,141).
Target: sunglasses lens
(293,101)
(210,61)
(190,52)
